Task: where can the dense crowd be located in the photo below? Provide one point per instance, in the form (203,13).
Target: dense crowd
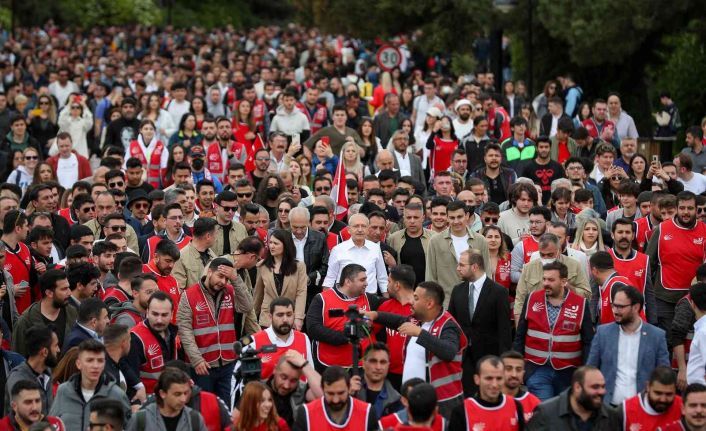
(264,230)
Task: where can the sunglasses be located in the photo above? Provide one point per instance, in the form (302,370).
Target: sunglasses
(615,178)
(141,205)
(119,184)
(283,210)
(31,157)
(493,220)
(229,209)
(75,107)
(88,209)
(701,210)
(244,195)
(120,203)
(118,228)
(43,103)
(323,189)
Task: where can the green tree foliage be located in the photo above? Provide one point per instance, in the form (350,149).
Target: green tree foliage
(90,13)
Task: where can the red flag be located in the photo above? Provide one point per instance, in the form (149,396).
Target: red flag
(339,192)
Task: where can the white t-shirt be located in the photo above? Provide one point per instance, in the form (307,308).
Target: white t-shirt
(626,376)
(415,364)
(87,393)
(67,171)
(461,129)
(177,110)
(696,185)
(460,244)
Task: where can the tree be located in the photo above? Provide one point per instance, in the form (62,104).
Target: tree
(91,13)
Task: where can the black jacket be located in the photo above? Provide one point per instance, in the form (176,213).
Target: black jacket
(489,332)
(555,414)
(545,124)
(316,261)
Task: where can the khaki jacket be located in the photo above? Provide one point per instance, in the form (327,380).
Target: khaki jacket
(293,287)
(130,234)
(397,239)
(531,280)
(250,325)
(189,269)
(442,262)
(237,233)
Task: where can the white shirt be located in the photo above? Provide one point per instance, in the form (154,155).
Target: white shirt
(177,109)
(67,171)
(299,245)
(626,376)
(403,162)
(696,367)
(555,124)
(460,245)
(415,363)
(369,256)
(462,129)
(274,339)
(477,287)
(696,185)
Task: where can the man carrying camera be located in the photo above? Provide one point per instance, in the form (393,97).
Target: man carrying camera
(329,313)
(289,392)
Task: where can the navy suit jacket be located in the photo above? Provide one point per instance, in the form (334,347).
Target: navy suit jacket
(604,354)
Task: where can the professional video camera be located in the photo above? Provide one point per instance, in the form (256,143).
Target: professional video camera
(354,329)
(250,364)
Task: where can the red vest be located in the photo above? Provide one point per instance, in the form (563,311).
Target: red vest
(136,317)
(445,376)
(269,360)
(211,411)
(593,127)
(393,420)
(501,418)
(316,122)
(328,354)
(642,228)
(167,284)
(155,239)
(529,403)
(153,165)
(502,273)
(154,357)
(561,345)
(331,240)
(18,265)
(636,417)
(680,252)
(687,340)
(214,338)
(215,163)
(258,110)
(6,423)
(634,269)
(504,127)
(395,341)
(529,246)
(442,153)
(606,314)
(66,214)
(316,417)
(117,293)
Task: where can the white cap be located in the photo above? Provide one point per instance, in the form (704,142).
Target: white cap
(462,102)
(435,112)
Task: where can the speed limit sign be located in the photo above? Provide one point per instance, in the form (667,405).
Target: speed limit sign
(388,57)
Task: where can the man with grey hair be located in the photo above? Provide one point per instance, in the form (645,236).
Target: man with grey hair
(385,160)
(335,225)
(311,249)
(561,183)
(531,277)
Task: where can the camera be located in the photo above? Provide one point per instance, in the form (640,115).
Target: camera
(250,364)
(355,328)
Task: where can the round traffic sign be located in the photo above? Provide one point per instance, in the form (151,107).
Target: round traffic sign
(388,57)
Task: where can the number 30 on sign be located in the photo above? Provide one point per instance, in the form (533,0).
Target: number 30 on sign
(388,57)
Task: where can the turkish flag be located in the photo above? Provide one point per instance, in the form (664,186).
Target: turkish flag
(339,192)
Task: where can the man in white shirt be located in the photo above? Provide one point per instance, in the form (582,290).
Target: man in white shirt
(178,106)
(67,163)
(693,181)
(696,367)
(361,251)
(422,104)
(463,124)
(62,88)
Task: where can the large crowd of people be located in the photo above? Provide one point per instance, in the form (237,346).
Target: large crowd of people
(265,230)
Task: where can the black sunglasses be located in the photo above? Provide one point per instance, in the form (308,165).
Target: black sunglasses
(118,228)
(491,219)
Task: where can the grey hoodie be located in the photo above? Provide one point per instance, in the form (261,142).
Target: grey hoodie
(289,123)
(154,421)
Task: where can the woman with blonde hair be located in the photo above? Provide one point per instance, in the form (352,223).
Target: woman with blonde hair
(43,120)
(257,410)
(589,238)
(386,87)
(351,160)
(23,175)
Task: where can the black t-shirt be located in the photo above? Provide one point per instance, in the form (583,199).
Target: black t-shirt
(171,423)
(226,238)
(371,396)
(59,325)
(544,175)
(412,253)
(496,190)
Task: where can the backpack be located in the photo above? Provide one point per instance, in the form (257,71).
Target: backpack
(141,419)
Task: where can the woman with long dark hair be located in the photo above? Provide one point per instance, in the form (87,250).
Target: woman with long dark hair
(257,410)
(176,154)
(281,274)
(187,135)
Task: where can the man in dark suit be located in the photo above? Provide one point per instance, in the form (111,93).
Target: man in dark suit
(549,123)
(311,249)
(389,119)
(92,320)
(403,158)
(484,314)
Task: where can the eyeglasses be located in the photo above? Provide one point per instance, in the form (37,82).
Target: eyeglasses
(118,228)
(574,168)
(117,184)
(175,218)
(92,425)
(141,205)
(31,157)
(323,189)
(537,222)
(262,159)
(229,209)
(244,195)
(88,209)
(620,306)
(493,220)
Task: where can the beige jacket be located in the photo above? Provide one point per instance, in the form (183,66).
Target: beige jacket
(237,233)
(242,304)
(442,262)
(397,239)
(531,280)
(293,287)
(189,269)
(250,325)
(130,234)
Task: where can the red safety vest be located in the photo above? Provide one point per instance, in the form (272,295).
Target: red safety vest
(66,214)
(529,246)
(215,163)
(155,239)
(393,420)
(214,338)
(594,129)
(211,411)
(642,228)
(328,354)
(395,341)
(680,252)
(634,269)
(167,284)
(153,165)
(136,317)
(117,293)
(269,360)
(154,356)
(6,423)
(687,339)
(316,417)
(529,403)
(445,376)
(606,314)
(635,416)
(316,122)
(504,126)
(560,345)
(500,418)
(18,265)
(331,240)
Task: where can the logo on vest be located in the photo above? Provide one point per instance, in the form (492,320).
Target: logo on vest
(201,306)
(157,362)
(227,302)
(667,237)
(152,349)
(213,157)
(173,290)
(635,427)
(479,426)
(571,312)
(699,241)
(266,358)
(538,307)
(513,421)
(639,272)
